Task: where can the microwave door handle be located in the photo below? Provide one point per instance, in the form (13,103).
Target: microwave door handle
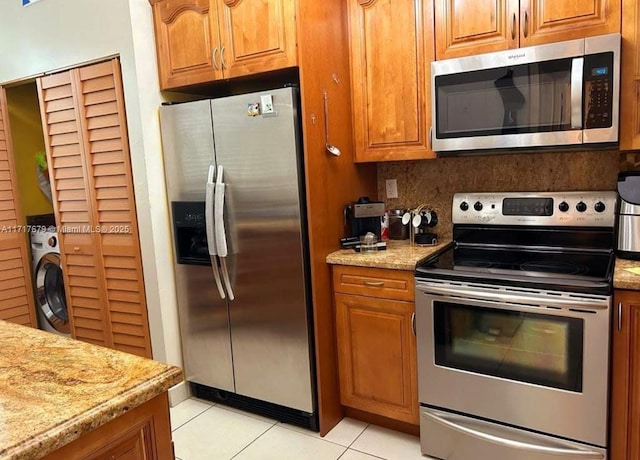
(577,81)
(453,422)
(221,237)
(209,226)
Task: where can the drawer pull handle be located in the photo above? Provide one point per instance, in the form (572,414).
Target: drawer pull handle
(413,323)
(76,248)
(619,316)
(374,283)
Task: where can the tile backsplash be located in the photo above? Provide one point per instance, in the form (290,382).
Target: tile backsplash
(434,182)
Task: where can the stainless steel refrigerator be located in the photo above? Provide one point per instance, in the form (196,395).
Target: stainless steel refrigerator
(235,181)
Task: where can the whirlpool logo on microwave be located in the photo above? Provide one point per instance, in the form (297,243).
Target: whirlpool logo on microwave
(517,56)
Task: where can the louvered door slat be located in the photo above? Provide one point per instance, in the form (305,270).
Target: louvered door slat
(16,291)
(101,105)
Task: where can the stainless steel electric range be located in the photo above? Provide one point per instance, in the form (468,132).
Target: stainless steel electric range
(513,327)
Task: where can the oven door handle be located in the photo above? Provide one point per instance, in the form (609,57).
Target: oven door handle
(512,443)
(523,298)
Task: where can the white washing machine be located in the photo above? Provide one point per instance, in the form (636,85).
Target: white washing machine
(48,282)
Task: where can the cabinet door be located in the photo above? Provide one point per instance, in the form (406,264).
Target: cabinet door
(377,356)
(187,42)
(84,287)
(391,47)
(547,21)
(110,183)
(256,35)
(625,391)
(467,27)
(630,78)
(16,289)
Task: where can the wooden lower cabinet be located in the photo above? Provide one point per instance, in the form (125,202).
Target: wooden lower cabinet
(144,433)
(625,382)
(376,351)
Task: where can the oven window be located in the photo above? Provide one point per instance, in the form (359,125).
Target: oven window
(534,348)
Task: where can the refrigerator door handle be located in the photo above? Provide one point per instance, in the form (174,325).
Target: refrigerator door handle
(209,225)
(221,237)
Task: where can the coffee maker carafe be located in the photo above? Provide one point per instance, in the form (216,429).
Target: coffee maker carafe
(363,216)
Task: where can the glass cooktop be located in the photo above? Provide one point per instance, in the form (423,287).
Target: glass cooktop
(545,268)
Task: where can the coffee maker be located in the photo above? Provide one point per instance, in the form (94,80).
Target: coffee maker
(363,216)
(628,215)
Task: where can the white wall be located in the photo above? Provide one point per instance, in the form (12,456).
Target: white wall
(55,34)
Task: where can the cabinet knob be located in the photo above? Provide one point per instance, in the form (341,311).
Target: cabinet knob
(513,27)
(526,23)
(76,248)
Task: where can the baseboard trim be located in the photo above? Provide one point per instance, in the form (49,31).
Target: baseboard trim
(178,393)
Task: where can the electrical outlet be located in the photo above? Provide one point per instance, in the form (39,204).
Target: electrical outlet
(392,188)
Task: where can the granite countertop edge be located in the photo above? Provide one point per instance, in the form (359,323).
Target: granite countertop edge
(624,279)
(70,430)
(399,255)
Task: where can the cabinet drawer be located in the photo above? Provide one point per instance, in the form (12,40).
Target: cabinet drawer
(374,282)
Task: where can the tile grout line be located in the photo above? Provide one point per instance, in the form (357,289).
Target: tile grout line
(287,426)
(358,437)
(257,437)
(192,418)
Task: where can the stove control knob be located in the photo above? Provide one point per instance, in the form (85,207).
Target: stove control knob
(564,206)
(477,206)
(599,206)
(464,206)
(581,207)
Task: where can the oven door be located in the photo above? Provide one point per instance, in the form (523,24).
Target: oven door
(525,358)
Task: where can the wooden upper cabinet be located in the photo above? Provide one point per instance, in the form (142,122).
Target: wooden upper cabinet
(256,36)
(198,41)
(391,46)
(630,78)
(186,36)
(468,27)
(465,27)
(548,21)
(16,288)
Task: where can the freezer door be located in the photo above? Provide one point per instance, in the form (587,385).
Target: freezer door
(187,137)
(204,327)
(187,144)
(269,322)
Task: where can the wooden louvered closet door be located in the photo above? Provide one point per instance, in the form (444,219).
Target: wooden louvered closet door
(87,148)
(16,288)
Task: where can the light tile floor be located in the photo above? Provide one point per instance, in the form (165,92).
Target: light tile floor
(206,431)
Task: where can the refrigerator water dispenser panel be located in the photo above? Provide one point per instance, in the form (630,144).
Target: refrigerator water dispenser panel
(190,233)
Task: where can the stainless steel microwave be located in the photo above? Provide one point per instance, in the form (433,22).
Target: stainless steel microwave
(560,94)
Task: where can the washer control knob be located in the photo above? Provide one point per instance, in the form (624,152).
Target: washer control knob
(53,242)
(464,206)
(477,206)
(564,206)
(599,206)
(581,207)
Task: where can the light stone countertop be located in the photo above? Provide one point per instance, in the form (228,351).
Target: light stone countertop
(399,255)
(54,389)
(623,278)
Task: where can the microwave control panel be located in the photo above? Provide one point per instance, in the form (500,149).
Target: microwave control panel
(598,90)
